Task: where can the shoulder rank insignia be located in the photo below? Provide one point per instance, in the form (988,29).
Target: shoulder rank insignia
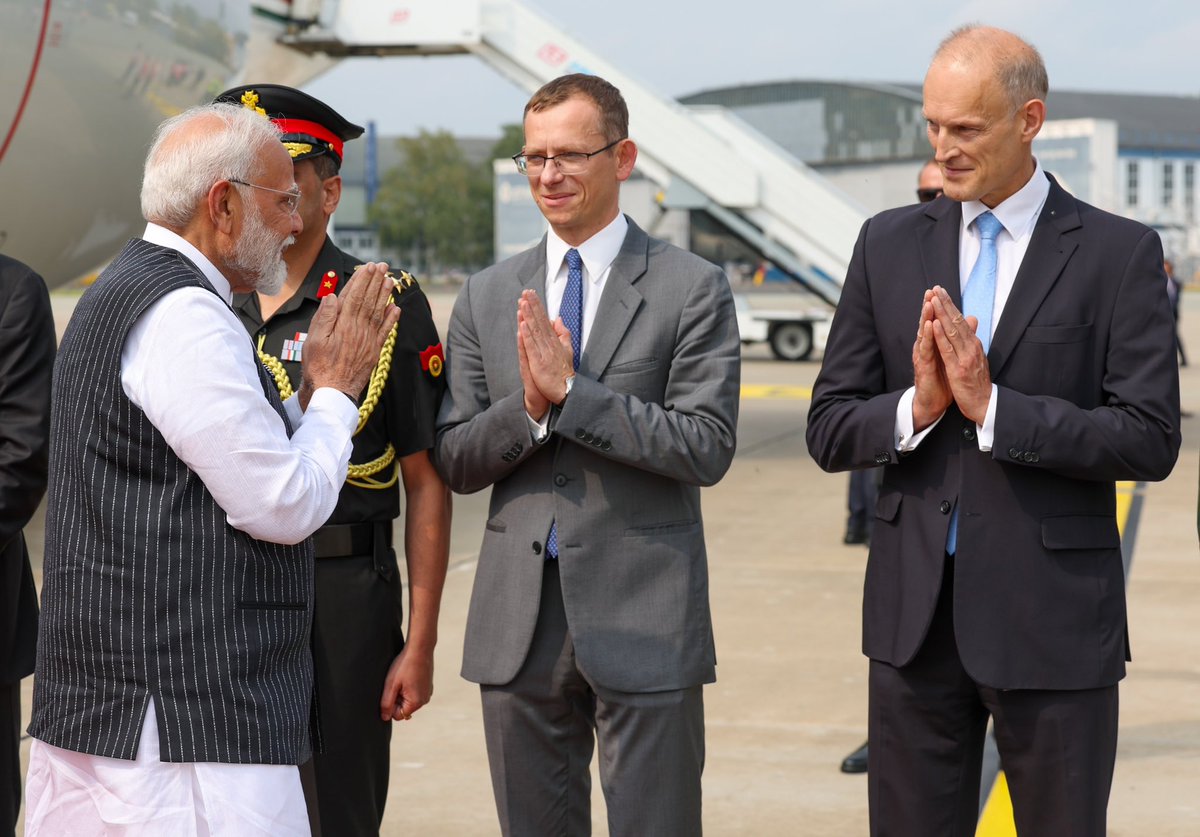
(329,283)
(433,360)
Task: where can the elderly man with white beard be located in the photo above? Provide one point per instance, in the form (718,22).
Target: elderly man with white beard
(174,682)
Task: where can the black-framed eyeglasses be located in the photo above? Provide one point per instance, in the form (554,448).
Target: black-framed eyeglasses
(569,162)
(927,195)
(293,194)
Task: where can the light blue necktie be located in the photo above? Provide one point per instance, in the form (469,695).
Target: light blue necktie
(571,312)
(979,299)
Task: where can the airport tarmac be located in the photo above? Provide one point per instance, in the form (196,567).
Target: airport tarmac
(790,698)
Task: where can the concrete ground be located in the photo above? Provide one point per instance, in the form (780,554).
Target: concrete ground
(790,700)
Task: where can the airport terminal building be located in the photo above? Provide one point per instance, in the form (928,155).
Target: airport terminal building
(1135,155)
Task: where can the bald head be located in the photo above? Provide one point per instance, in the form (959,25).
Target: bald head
(194,150)
(1015,65)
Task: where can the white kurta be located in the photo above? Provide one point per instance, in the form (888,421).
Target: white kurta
(188,364)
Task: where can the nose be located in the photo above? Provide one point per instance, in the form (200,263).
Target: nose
(297,222)
(943,144)
(550,173)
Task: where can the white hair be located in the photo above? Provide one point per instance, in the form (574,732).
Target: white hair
(180,171)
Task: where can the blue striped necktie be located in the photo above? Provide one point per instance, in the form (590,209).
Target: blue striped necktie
(571,312)
(979,299)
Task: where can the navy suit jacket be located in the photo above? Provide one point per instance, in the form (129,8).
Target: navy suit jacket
(26,359)
(1088,393)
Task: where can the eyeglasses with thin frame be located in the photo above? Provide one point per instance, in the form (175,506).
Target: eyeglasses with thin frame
(927,195)
(293,194)
(569,162)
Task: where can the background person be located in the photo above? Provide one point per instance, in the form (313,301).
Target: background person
(995,584)
(174,681)
(595,416)
(27,345)
(359,648)
(929,188)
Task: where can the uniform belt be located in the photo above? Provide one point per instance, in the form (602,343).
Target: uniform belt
(344,540)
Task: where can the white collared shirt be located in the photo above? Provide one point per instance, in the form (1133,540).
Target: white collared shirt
(1018,216)
(597,253)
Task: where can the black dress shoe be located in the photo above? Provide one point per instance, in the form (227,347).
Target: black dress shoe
(856,762)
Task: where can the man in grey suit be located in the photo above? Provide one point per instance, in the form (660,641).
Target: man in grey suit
(595,416)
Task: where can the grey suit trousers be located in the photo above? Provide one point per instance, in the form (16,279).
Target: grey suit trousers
(541,728)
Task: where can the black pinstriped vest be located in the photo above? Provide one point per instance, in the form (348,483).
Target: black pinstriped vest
(148,591)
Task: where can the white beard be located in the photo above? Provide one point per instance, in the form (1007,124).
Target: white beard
(259,255)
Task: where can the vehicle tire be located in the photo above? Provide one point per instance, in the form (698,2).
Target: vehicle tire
(791,341)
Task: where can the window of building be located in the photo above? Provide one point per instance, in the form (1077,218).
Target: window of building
(1131,183)
(1168,183)
(1189,189)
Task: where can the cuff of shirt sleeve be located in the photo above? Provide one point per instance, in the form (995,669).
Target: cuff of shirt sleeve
(986,432)
(905,439)
(539,431)
(336,403)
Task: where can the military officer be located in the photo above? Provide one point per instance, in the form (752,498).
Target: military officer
(368,673)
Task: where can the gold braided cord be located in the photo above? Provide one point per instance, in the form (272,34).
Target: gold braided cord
(282,382)
(361,475)
(357,475)
(378,379)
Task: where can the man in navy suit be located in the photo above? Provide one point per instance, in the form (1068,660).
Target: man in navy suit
(1042,370)
(26,358)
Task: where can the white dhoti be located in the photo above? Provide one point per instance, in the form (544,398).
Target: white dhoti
(70,794)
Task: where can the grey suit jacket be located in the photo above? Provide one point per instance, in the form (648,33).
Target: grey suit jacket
(650,419)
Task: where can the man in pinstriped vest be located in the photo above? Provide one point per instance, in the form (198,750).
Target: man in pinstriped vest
(174,682)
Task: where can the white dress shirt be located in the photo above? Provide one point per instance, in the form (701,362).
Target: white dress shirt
(1018,216)
(190,366)
(597,253)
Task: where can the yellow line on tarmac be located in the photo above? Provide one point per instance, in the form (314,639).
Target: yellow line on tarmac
(776,392)
(997,817)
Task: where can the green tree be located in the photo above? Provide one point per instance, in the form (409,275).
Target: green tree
(435,207)
(510,142)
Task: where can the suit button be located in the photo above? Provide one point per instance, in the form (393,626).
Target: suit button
(944,508)
(508,457)
(606,446)
(597,443)
(969,433)
(518,447)
(1029,456)
(580,432)
(588,437)
(1013,453)
(560,480)
(1036,458)
(537,548)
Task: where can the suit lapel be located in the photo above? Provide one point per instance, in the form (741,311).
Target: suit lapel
(938,241)
(619,302)
(1048,253)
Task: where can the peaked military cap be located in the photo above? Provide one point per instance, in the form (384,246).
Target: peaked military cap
(309,127)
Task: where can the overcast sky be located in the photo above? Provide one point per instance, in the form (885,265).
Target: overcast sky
(678,47)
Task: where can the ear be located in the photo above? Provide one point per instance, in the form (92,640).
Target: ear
(331,194)
(1033,117)
(219,203)
(626,156)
